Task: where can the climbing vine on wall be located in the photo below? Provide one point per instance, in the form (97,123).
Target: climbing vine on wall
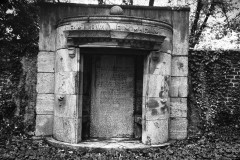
(214,88)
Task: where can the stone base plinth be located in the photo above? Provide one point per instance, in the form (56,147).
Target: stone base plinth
(104,145)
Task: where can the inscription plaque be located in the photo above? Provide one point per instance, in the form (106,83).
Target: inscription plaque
(114,27)
(112,97)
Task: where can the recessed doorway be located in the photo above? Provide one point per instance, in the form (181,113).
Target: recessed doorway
(112,100)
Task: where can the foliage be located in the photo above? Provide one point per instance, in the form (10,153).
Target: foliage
(210,87)
(219,18)
(221,144)
(18,40)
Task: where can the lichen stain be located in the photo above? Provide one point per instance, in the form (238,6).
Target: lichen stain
(152,103)
(156,124)
(62,105)
(148,140)
(164,109)
(163,94)
(180,65)
(154,112)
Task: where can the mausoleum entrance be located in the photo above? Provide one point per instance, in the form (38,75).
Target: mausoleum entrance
(113,72)
(113,93)
(112,78)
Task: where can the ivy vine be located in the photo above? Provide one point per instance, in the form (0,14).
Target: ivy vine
(210,87)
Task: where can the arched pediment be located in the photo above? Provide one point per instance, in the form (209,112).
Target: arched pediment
(114,31)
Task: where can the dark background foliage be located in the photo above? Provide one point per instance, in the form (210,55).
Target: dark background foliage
(19,47)
(214,89)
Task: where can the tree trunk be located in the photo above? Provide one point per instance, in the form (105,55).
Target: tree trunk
(151,2)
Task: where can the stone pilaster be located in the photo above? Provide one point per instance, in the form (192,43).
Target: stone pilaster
(156,101)
(67,115)
(179,77)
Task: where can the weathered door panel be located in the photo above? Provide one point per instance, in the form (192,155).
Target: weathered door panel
(112,96)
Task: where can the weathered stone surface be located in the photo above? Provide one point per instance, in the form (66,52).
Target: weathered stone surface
(45,104)
(179,87)
(144,107)
(66,82)
(47,34)
(45,82)
(178,107)
(180,32)
(178,128)
(155,85)
(113,97)
(155,132)
(160,64)
(61,38)
(64,63)
(67,129)
(46,61)
(156,108)
(179,66)
(145,84)
(146,62)
(158,86)
(65,106)
(44,125)
(167,45)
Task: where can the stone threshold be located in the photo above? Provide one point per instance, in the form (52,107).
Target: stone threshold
(105,144)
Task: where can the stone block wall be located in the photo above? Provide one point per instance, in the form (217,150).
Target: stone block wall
(45,93)
(215,89)
(233,78)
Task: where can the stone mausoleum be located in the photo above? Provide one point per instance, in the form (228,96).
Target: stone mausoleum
(112,72)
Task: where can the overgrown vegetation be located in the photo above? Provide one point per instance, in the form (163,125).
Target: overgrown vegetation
(223,144)
(213,98)
(19,47)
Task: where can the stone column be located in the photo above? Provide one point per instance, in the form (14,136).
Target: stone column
(156,101)
(179,84)
(67,108)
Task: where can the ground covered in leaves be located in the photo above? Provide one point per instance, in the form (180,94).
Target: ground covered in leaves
(221,144)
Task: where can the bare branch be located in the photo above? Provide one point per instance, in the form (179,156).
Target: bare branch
(195,23)
(222,6)
(196,36)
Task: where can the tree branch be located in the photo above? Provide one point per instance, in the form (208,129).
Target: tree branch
(195,23)
(197,34)
(151,2)
(225,14)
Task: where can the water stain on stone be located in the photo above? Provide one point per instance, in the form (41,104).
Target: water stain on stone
(164,109)
(180,65)
(156,124)
(152,103)
(154,112)
(148,140)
